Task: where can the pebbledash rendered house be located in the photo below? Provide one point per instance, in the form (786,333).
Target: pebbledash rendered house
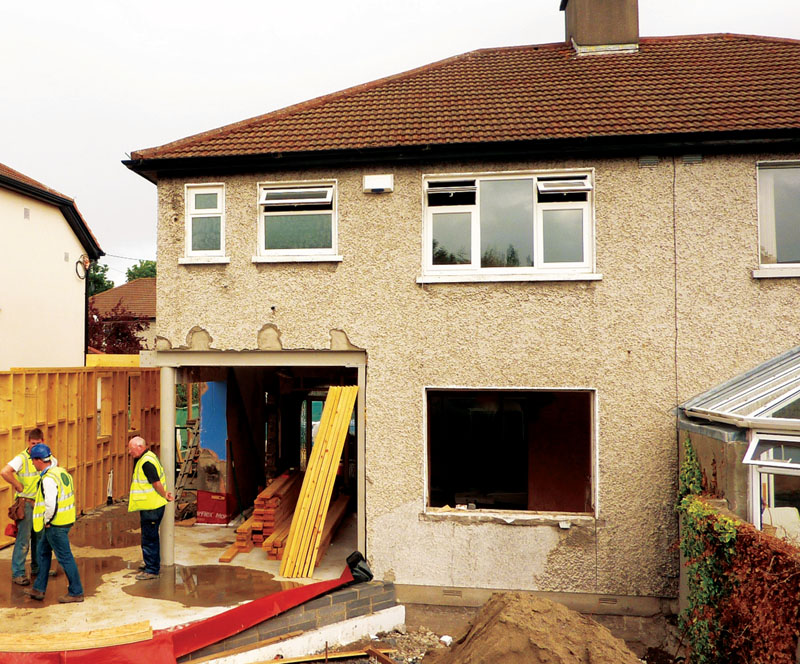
(527,259)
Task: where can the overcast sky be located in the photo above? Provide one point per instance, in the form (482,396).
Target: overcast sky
(83,82)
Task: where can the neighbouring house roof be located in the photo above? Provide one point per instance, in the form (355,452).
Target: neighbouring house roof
(765,396)
(735,87)
(138,297)
(22,184)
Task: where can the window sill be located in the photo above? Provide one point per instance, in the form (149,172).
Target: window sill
(203,260)
(288,258)
(540,276)
(777,272)
(507,517)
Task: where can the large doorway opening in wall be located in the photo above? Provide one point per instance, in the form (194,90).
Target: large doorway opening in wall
(255,427)
(510,449)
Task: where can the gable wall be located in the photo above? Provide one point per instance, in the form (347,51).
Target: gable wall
(620,336)
(42,301)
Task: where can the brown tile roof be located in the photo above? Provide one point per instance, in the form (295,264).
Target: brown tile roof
(138,297)
(673,85)
(19,182)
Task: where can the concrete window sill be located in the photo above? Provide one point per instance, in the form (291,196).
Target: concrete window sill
(204,260)
(507,517)
(297,259)
(777,272)
(477,278)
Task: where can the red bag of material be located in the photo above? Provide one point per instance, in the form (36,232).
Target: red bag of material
(11,530)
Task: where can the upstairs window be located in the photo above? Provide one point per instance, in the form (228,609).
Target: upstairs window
(297,222)
(779,213)
(205,220)
(501,224)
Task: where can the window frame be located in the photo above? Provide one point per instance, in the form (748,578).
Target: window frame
(323,254)
(512,516)
(190,190)
(766,270)
(540,271)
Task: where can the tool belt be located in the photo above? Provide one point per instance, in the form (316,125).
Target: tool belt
(17,510)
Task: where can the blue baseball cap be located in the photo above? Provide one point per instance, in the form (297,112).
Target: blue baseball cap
(40,451)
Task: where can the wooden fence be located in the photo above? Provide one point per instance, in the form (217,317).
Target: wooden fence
(87,416)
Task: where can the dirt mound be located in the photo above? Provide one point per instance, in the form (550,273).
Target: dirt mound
(517,628)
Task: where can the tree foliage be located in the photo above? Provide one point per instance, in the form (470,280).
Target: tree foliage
(98,278)
(117,331)
(143,268)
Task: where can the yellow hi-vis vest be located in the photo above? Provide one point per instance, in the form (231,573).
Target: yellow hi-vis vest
(28,476)
(143,496)
(65,502)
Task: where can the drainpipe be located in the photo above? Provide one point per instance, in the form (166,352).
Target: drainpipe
(168,375)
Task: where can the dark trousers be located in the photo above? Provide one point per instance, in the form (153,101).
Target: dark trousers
(150,520)
(55,539)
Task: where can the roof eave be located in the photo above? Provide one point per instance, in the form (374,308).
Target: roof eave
(66,206)
(623,145)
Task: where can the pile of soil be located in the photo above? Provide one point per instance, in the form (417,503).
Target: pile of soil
(518,628)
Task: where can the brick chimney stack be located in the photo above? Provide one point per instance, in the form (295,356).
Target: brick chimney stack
(597,26)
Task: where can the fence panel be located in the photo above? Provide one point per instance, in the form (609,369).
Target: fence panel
(87,414)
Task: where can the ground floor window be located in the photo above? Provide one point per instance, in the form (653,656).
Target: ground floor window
(510,449)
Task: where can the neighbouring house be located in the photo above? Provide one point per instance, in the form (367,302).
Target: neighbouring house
(137,298)
(45,253)
(527,258)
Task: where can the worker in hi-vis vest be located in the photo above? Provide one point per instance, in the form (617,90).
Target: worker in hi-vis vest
(148,496)
(53,516)
(21,474)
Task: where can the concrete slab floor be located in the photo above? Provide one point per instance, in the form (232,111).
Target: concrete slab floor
(105,544)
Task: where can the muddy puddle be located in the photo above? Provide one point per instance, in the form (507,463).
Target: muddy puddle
(91,571)
(110,528)
(216,545)
(209,585)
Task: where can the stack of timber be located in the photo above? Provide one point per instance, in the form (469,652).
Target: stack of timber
(275,504)
(306,531)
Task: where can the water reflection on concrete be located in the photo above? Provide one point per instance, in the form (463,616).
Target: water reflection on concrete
(209,585)
(90,569)
(113,528)
(216,545)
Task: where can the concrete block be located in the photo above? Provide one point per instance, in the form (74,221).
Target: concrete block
(315,604)
(369,589)
(343,596)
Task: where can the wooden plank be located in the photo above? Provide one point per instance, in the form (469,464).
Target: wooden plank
(322,657)
(247,648)
(229,554)
(96,638)
(307,489)
(319,489)
(377,654)
(341,436)
(305,535)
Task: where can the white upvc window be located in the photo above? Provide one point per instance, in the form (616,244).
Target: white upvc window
(297,222)
(774,460)
(205,221)
(533,225)
(779,215)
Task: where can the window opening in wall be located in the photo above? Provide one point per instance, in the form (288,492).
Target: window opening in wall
(510,449)
(297,219)
(779,212)
(525,223)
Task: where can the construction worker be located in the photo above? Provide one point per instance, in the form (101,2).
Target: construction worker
(53,516)
(21,474)
(148,496)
